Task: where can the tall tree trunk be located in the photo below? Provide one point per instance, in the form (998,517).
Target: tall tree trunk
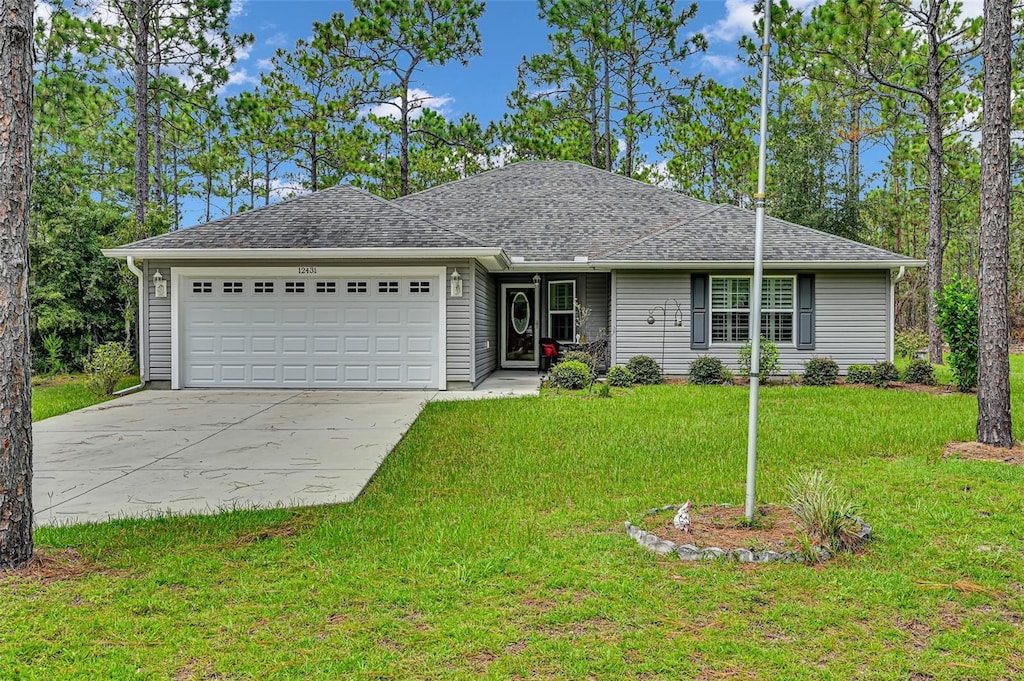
(994,420)
(595,143)
(403,152)
(141,113)
(158,148)
(15,354)
(936,246)
(607,112)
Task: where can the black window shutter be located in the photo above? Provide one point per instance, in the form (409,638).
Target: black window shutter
(805,335)
(699,325)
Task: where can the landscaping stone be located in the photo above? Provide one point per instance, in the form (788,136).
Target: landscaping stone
(653,542)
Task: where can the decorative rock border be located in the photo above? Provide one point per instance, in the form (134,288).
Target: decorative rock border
(663,547)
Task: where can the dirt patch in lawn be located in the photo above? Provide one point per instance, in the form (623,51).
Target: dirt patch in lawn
(982,452)
(775,528)
(48,566)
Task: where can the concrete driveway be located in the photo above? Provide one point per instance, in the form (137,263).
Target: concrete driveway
(203,451)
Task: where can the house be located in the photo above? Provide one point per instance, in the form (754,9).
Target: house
(438,289)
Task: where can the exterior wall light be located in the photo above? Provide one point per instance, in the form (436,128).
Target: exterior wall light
(456,284)
(536,280)
(159,285)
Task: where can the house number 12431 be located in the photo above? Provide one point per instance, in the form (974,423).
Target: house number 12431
(307,270)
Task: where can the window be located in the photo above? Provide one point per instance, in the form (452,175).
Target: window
(730,309)
(263,287)
(202,287)
(294,287)
(387,287)
(326,287)
(356,287)
(232,287)
(419,287)
(561,311)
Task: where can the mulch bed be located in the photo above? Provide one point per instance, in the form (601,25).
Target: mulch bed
(776,528)
(981,452)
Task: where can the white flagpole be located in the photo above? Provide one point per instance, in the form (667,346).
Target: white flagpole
(755,312)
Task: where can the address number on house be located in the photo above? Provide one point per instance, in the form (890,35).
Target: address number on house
(307,270)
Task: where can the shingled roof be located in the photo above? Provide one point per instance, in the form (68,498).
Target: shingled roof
(562,210)
(537,211)
(339,217)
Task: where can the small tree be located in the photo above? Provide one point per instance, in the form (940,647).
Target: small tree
(958,320)
(769,364)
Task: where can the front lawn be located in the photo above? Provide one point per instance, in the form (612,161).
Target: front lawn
(490,545)
(56,395)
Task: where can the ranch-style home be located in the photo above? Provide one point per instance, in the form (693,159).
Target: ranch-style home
(342,289)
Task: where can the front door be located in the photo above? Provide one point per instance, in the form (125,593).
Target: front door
(519,338)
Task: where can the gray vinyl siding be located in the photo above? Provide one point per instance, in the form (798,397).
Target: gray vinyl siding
(459,337)
(157,315)
(596,296)
(852,320)
(485,332)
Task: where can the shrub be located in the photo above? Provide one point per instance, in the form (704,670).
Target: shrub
(620,377)
(958,319)
(604,390)
(769,362)
(910,341)
(571,374)
(53,346)
(581,356)
(707,370)
(821,371)
(919,371)
(645,370)
(108,365)
(860,373)
(826,511)
(884,373)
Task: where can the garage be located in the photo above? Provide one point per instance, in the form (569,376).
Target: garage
(308,327)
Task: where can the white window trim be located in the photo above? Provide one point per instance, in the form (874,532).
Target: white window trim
(712,309)
(562,312)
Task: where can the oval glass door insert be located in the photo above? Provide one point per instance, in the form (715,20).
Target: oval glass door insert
(520,312)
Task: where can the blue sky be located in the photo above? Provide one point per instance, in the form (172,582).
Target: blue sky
(510,30)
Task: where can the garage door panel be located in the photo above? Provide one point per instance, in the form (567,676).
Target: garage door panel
(325,345)
(232,344)
(294,332)
(262,344)
(419,345)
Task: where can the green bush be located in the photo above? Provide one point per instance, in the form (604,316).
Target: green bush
(884,373)
(707,370)
(910,341)
(826,511)
(919,371)
(958,319)
(53,346)
(860,373)
(604,390)
(821,371)
(620,377)
(572,375)
(581,356)
(108,364)
(645,370)
(769,363)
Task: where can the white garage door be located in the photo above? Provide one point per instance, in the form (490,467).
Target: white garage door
(311,331)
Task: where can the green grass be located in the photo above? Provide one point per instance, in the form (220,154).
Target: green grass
(56,395)
(490,545)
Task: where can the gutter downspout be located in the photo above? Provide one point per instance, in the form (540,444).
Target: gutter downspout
(142,346)
(892,312)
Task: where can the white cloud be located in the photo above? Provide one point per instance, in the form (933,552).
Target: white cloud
(278,39)
(418,100)
(720,63)
(43,13)
(972,8)
(241,77)
(264,64)
(237,8)
(283,189)
(740,17)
